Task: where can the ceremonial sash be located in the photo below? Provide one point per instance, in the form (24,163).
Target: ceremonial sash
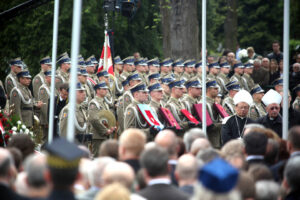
(149,116)
(166,113)
(91,80)
(198,109)
(221,110)
(189,116)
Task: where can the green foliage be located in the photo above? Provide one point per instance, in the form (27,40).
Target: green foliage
(29,35)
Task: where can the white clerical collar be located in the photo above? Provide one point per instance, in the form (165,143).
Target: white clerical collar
(256,157)
(159,181)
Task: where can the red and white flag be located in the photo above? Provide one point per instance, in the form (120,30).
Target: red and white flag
(105,62)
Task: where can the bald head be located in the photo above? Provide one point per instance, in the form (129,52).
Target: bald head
(199,144)
(186,169)
(118,172)
(167,139)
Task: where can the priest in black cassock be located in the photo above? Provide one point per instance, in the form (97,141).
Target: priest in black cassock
(233,126)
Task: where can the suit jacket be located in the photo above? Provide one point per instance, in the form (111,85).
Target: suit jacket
(162,192)
(61,195)
(9,194)
(275,125)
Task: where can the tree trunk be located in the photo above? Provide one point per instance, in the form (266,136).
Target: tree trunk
(230,25)
(180,28)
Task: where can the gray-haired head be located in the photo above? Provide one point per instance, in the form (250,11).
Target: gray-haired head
(190,136)
(35,166)
(267,190)
(291,173)
(96,170)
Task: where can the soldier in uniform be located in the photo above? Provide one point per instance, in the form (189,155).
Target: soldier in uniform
(213,131)
(128,66)
(63,72)
(80,117)
(91,78)
(178,68)
(193,87)
(222,78)
(166,89)
(120,107)
(164,67)
(257,109)
(198,68)
(278,84)
(238,68)
(153,65)
(140,66)
(247,79)
(174,104)
(97,126)
(232,87)
(118,68)
(188,70)
(296,103)
(11,80)
(214,70)
(82,78)
(153,78)
(22,100)
(156,93)
(39,79)
(44,96)
(109,98)
(133,118)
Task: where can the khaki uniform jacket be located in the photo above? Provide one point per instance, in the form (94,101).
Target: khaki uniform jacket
(185,76)
(296,104)
(228,105)
(62,78)
(11,81)
(238,79)
(257,110)
(174,105)
(95,126)
(188,103)
(248,82)
(22,100)
(37,82)
(133,119)
(222,80)
(80,121)
(44,96)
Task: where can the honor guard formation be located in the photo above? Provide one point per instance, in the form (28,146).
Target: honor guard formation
(138,129)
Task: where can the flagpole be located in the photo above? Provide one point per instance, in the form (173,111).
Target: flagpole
(74,62)
(53,69)
(286,38)
(105,41)
(204,66)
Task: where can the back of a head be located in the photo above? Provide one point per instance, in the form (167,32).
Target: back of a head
(155,161)
(294,137)
(260,172)
(118,172)
(22,142)
(246,186)
(199,144)
(272,152)
(35,166)
(109,148)
(167,139)
(207,155)
(114,191)
(233,147)
(96,170)
(6,162)
(133,140)
(187,167)
(191,135)
(255,143)
(267,190)
(291,173)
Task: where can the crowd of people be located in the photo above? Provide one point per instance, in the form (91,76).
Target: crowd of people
(122,154)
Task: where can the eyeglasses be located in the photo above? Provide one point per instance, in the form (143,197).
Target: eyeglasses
(274,108)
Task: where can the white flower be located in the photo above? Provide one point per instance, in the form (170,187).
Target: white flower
(21,131)
(23,127)
(14,128)
(26,131)
(19,122)
(31,133)
(14,133)
(242,53)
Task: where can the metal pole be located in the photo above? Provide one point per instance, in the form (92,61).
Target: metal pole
(286,38)
(74,62)
(53,69)
(204,66)
(105,41)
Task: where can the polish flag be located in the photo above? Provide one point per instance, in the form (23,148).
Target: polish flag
(105,62)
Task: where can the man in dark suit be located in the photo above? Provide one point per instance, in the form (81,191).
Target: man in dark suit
(255,147)
(7,176)
(59,103)
(157,176)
